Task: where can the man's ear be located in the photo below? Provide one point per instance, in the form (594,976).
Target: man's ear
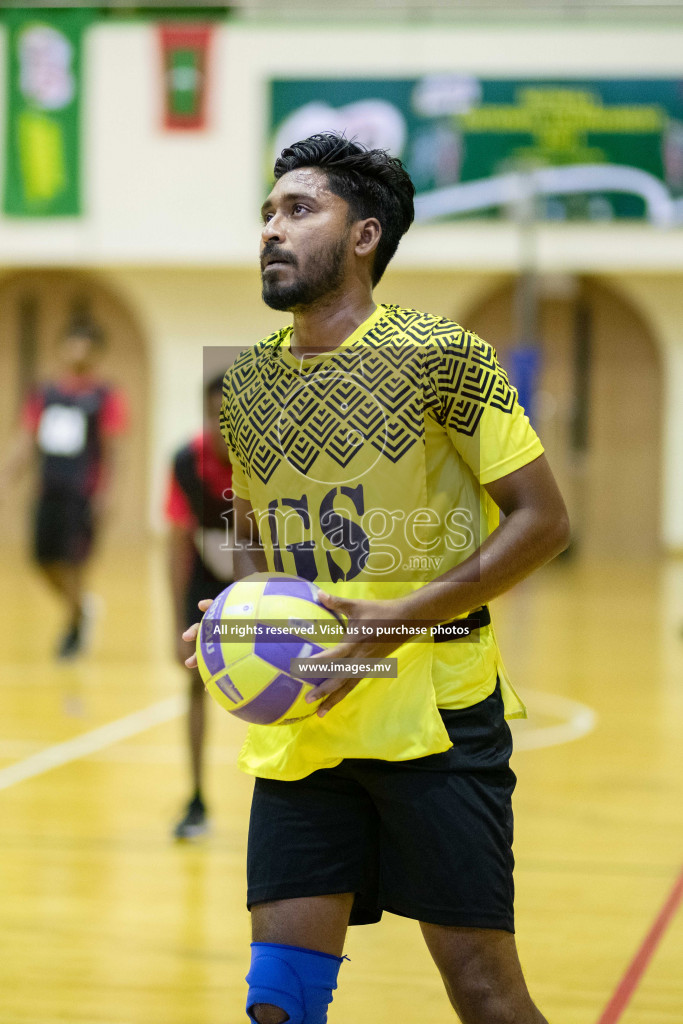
(368,233)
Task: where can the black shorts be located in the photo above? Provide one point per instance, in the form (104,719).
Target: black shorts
(64,528)
(429,839)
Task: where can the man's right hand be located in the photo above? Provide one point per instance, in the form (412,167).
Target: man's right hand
(190,634)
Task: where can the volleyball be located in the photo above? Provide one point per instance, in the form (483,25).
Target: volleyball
(248,638)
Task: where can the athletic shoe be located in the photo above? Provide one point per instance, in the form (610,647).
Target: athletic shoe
(70,644)
(77,638)
(194,822)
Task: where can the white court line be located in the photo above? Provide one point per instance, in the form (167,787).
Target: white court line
(576,721)
(91,742)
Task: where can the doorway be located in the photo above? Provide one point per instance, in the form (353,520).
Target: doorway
(597,409)
(35,308)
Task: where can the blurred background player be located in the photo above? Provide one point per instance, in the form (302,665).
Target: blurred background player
(71,424)
(199,510)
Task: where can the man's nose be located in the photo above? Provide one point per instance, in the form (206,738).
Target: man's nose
(273,229)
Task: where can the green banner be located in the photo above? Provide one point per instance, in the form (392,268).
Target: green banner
(43,125)
(587,149)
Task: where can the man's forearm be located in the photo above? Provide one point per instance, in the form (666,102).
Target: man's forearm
(520,545)
(110,467)
(247,559)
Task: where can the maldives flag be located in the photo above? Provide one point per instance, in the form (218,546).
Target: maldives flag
(185,57)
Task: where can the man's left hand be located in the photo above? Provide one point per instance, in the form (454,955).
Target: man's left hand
(357,647)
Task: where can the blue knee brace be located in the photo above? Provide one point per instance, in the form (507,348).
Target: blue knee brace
(299,981)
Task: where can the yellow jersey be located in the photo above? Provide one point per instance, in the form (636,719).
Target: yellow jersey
(365,469)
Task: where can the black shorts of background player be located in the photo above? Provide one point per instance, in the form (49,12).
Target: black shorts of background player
(199,511)
(71,425)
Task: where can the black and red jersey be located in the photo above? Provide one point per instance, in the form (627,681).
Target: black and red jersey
(69,419)
(199,499)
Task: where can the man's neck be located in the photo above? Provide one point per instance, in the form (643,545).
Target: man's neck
(324,327)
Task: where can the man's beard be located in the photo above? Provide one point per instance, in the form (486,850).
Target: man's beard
(325,277)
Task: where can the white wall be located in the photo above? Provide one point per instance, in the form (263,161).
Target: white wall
(165,198)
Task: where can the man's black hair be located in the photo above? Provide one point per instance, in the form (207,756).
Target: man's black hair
(214,386)
(373,183)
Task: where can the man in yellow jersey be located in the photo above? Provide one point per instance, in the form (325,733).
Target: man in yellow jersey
(372,449)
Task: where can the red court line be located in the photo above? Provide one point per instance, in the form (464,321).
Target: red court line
(636,969)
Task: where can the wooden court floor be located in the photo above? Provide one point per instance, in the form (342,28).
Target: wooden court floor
(104,920)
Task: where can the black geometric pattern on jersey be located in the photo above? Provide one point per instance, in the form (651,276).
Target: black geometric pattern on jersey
(374,393)
(464,377)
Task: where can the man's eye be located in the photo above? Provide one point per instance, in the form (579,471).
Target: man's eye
(298,208)
(267,217)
